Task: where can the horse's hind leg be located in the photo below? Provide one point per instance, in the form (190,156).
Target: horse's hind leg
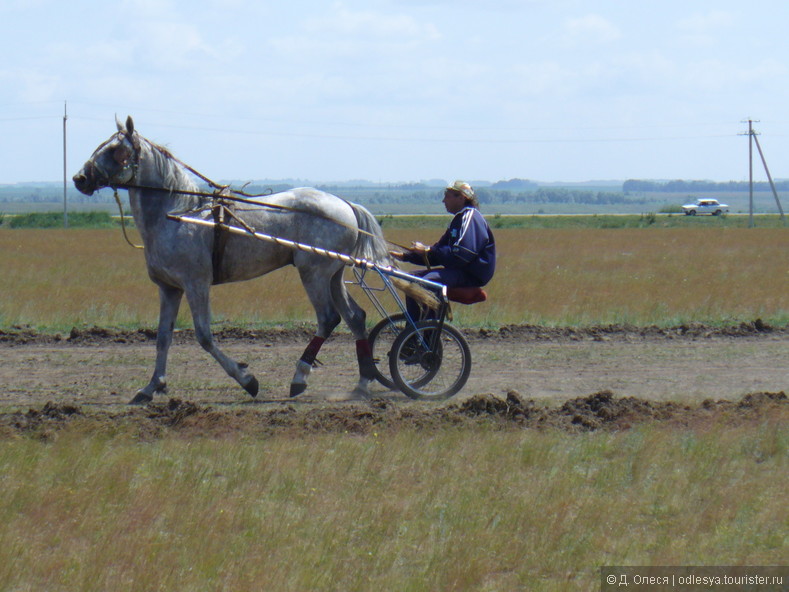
(354,316)
(169,303)
(201,316)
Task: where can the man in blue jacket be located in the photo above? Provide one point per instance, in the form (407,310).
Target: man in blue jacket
(465,255)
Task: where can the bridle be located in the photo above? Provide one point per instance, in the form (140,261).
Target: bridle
(129,165)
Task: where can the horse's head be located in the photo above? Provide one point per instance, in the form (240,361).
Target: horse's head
(113,163)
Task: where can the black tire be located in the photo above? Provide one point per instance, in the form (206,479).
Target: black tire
(381,339)
(429,369)
(692,213)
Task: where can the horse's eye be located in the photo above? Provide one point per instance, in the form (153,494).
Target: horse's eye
(121,154)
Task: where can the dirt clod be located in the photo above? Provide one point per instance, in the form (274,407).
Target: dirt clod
(599,411)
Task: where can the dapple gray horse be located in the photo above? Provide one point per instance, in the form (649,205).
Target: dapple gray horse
(182,259)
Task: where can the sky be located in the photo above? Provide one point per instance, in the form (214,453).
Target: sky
(401,90)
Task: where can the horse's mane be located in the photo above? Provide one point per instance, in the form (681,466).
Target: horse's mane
(171,171)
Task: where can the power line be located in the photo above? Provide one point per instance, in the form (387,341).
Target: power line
(422,139)
(29,118)
(378,124)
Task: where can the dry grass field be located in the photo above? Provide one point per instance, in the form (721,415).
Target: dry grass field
(413,510)
(478,501)
(64,278)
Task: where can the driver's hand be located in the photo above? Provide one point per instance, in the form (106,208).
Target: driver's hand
(419,248)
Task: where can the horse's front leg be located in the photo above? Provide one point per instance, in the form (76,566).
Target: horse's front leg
(169,303)
(201,315)
(298,383)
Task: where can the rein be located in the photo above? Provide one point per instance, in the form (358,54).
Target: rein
(221,193)
(123,221)
(214,194)
(240,196)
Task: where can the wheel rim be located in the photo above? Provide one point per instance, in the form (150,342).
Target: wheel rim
(435,373)
(382,337)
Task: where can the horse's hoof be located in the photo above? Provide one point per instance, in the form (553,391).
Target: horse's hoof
(297,388)
(141,398)
(356,394)
(359,394)
(252,387)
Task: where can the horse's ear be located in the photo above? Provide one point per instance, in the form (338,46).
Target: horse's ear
(130,133)
(118,123)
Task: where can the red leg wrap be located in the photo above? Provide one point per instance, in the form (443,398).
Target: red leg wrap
(311,351)
(364,354)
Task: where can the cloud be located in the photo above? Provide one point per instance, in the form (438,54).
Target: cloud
(710,21)
(496,5)
(704,29)
(149,9)
(590,29)
(368,24)
(172,45)
(12,6)
(710,75)
(542,78)
(34,85)
(353,52)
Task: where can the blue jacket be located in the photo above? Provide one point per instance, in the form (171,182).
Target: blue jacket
(467,244)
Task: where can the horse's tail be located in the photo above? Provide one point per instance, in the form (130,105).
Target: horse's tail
(371,245)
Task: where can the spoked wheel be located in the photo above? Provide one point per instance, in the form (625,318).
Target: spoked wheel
(428,363)
(381,339)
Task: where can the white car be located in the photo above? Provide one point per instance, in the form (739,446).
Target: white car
(705,206)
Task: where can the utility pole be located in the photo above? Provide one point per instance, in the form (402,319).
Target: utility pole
(752,137)
(65,202)
(770,178)
(750,173)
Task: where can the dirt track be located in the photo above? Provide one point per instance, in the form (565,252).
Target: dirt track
(576,379)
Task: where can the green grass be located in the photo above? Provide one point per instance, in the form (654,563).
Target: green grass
(666,217)
(404,510)
(599,221)
(55,220)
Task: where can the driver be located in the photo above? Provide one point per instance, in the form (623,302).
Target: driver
(465,255)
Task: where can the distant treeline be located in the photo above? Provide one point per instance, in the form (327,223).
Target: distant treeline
(513,191)
(401,194)
(51,192)
(545,195)
(493,194)
(680,186)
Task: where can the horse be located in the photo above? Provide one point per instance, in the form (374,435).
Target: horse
(187,259)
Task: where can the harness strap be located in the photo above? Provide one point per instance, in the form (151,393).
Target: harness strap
(238,196)
(220,241)
(227,193)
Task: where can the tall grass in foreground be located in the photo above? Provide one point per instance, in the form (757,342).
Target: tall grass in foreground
(566,276)
(405,510)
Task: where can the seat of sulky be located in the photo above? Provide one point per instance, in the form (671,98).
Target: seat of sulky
(467,295)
